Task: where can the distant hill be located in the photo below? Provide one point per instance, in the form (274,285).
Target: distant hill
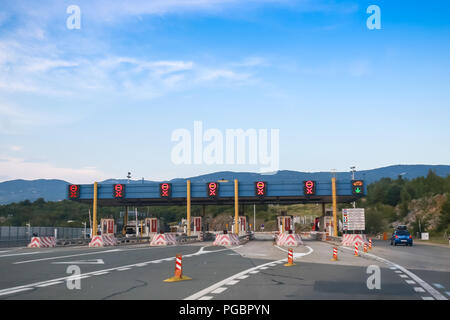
(54,190)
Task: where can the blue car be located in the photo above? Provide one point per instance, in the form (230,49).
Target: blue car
(401,237)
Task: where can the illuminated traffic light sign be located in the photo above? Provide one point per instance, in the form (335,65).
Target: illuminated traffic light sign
(74,191)
(119,191)
(165,190)
(260,189)
(358,187)
(212,189)
(309,188)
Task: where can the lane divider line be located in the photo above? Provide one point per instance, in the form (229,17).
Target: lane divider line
(436,294)
(68,256)
(15,291)
(49,284)
(219,290)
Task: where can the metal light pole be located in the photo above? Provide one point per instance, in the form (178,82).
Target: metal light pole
(254,217)
(353,170)
(84,224)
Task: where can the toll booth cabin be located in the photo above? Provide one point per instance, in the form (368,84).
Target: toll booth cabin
(242,225)
(151,226)
(107,227)
(285,223)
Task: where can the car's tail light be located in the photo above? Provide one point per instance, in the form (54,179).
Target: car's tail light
(396,237)
(410,236)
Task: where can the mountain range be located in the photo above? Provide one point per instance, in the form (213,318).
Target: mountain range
(55,190)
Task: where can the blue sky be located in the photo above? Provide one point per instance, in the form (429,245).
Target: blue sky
(96,102)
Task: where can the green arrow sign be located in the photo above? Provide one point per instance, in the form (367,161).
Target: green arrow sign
(358,190)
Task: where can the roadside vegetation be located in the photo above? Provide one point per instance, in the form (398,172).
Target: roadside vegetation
(423,204)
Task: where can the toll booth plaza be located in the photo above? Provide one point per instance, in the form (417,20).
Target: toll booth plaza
(222,192)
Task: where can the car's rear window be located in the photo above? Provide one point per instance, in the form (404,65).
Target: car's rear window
(403,233)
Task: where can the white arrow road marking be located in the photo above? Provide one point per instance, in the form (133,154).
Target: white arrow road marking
(93,261)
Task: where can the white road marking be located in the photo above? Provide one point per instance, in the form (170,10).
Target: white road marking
(219,290)
(264,268)
(93,261)
(25,253)
(83,276)
(298,254)
(100,273)
(403,276)
(419,289)
(232,282)
(69,256)
(398,271)
(243,277)
(410,282)
(427,298)
(141,265)
(201,293)
(206,298)
(393,268)
(436,294)
(49,284)
(15,291)
(123,269)
(438,285)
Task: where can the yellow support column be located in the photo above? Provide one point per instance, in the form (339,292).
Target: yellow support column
(236,207)
(333,189)
(94,216)
(188,205)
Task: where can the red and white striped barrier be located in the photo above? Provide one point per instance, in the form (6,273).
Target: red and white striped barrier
(42,242)
(370,244)
(102,241)
(178,276)
(356,249)
(349,240)
(335,255)
(289,240)
(290,258)
(226,240)
(164,239)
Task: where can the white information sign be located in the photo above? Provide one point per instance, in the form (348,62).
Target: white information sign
(353,219)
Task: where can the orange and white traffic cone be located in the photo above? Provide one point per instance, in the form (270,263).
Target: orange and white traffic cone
(365,247)
(335,255)
(290,259)
(370,244)
(356,249)
(178,271)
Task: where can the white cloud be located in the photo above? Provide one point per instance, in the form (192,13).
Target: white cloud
(17,168)
(215,74)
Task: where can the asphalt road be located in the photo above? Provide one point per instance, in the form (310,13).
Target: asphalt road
(253,271)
